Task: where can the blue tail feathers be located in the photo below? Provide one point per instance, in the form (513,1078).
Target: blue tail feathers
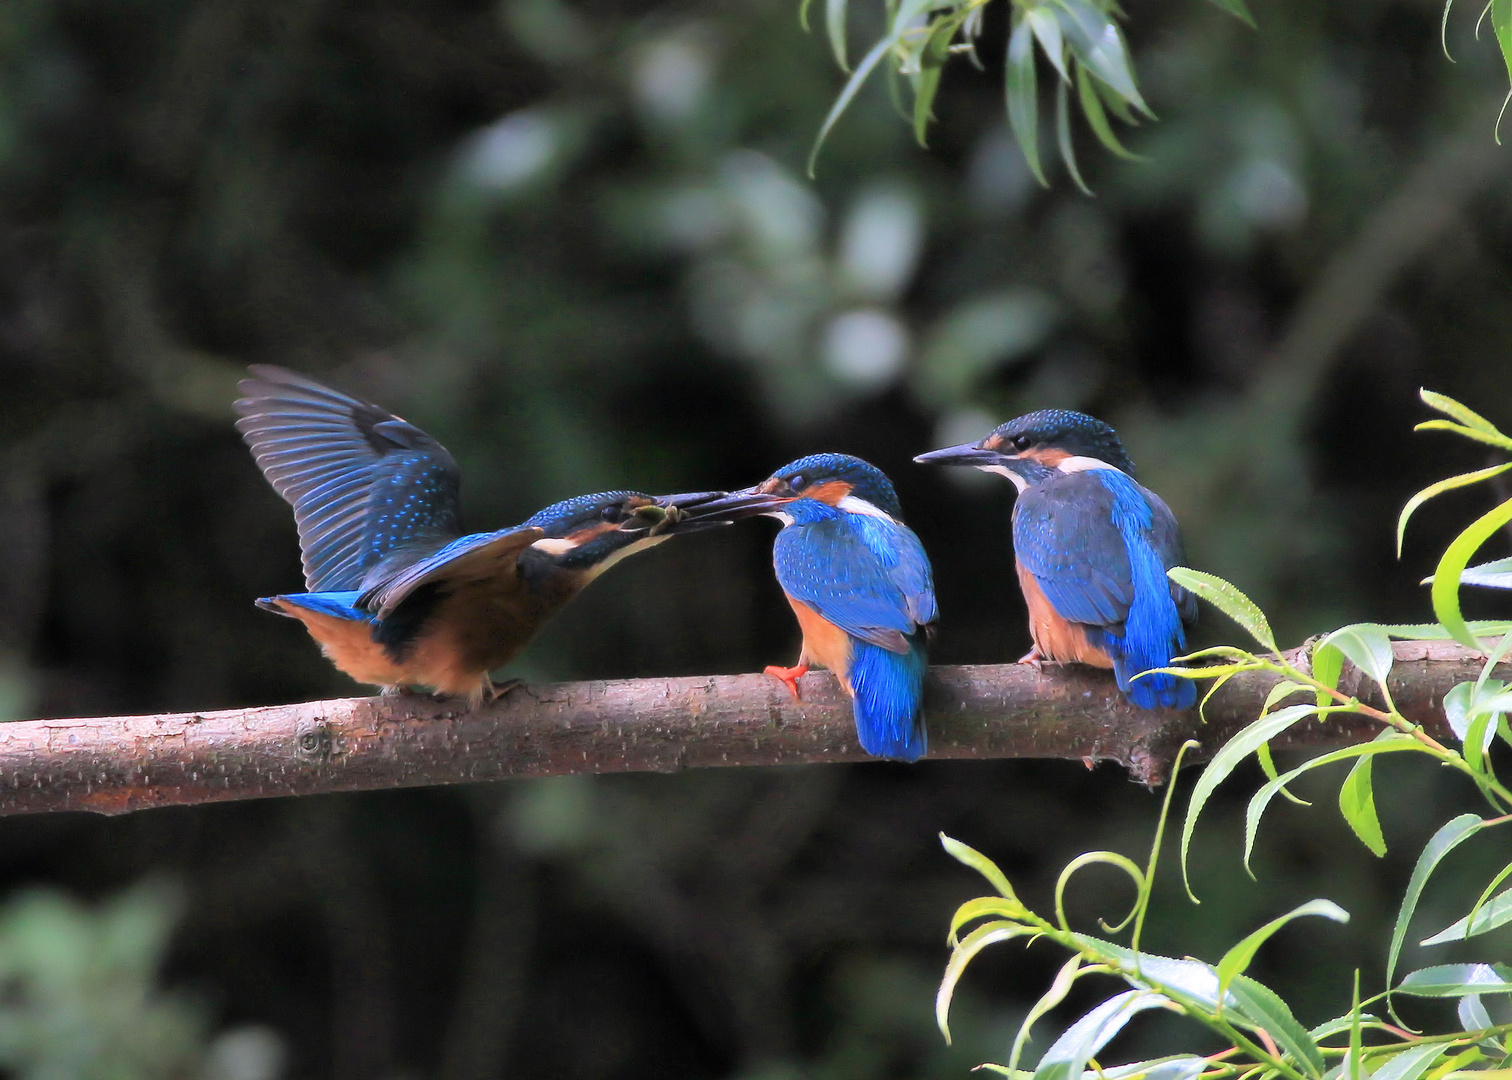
(889,690)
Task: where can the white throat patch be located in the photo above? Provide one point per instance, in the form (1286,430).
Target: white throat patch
(1085,464)
(854,504)
(1019,482)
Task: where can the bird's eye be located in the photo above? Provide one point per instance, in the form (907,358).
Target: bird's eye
(612,513)
(1022,443)
(797,483)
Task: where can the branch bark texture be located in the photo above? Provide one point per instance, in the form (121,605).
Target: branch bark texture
(118,764)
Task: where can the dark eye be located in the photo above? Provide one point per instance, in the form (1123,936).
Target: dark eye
(612,513)
(1022,443)
(797,483)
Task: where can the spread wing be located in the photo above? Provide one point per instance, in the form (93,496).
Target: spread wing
(1064,534)
(362,481)
(471,558)
(868,576)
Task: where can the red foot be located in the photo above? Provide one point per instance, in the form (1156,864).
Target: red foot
(1034,658)
(788,676)
(1089,763)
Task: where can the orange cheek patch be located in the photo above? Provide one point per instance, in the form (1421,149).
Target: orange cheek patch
(1056,638)
(829,492)
(591,533)
(824,643)
(1046,456)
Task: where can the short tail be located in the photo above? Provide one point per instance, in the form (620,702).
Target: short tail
(889,693)
(1133,653)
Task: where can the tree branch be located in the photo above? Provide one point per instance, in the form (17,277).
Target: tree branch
(113,765)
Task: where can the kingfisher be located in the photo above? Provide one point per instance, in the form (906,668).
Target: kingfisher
(397,595)
(861,586)
(1092,547)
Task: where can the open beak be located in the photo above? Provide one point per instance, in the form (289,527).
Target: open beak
(964,454)
(706,509)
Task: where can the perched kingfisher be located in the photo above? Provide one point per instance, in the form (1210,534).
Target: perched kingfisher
(398,596)
(1092,549)
(861,586)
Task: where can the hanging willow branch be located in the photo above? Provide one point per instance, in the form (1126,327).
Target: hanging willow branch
(116,764)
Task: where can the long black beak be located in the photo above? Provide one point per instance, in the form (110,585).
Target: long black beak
(706,509)
(964,454)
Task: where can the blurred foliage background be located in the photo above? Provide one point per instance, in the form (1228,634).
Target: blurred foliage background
(575,242)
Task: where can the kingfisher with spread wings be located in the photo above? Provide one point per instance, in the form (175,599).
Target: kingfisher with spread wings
(397,595)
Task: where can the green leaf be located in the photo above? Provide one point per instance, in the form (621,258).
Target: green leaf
(1410,1064)
(1327,667)
(1385,743)
(1283,690)
(1237,960)
(925,84)
(847,94)
(1068,1055)
(1095,41)
(1048,31)
(1481,628)
(1472,1014)
(1496,912)
(981,864)
(1357,804)
(1462,480)
(1236,8)
(980,908)
(1091,105)
(1449,407)
(834,24)
(973,943)
(1446,578)
(1227,599)
(1023,97)
(1501,23)
(1367,647)
(1456,980)
(1060,986)
(1498,440)
(1496,574)
(1265,1008)
(1224,762)
(1063,136)
(1448,837)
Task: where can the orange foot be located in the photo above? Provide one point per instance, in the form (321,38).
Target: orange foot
(788,676)
(1034,658)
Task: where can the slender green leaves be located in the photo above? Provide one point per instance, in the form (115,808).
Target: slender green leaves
(1457,980)
(1023,97)
(1227,599)
(1495,913)
(1462,480)
(1237,960)
(1357,804)
(1441,843)
(1446,578)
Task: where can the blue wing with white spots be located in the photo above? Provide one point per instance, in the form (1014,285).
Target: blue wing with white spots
(470,558)
(362,481)
(867,575)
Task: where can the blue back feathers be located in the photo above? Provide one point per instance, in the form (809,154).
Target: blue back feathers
(1098,545)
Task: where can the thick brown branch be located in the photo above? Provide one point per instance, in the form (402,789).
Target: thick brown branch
(116,764)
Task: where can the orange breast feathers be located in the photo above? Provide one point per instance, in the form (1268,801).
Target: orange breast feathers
(434,661)
(1055,637)
(824,643)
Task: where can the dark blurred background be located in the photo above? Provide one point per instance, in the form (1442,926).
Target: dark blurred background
(575,242)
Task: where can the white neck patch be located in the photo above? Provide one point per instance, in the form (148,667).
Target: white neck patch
(554,545)
(854,504)
(780,515)
(1085,464)
(1002,470)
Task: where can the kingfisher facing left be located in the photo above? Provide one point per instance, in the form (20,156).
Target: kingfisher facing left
(861,586)
(1092,548)
(398,596)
